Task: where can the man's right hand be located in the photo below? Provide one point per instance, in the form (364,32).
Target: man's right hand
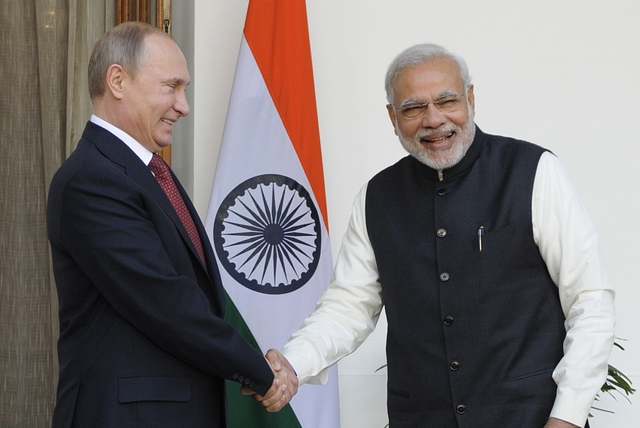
(285,383)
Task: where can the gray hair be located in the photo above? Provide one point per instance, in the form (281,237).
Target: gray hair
(123,45)
(418,55)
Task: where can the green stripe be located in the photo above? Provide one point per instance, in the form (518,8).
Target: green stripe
(243,410)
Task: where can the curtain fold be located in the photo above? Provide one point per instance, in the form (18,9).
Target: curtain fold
(88,21)
(45,46)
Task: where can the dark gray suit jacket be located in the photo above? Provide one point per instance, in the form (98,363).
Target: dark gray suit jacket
(142,339)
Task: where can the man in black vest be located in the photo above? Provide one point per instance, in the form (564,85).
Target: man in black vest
(500,312)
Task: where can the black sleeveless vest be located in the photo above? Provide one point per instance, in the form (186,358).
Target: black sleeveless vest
(475,326)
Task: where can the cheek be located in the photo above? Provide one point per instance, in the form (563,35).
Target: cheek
(460,118)
(407,129)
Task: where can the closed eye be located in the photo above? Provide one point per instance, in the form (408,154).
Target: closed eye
(413,109)
(447,103)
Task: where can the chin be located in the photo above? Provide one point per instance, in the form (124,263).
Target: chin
(436,159)
(162,144)
(441,159)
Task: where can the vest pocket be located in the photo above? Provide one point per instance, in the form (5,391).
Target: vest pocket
(491,236)
(546,374)
(153,388)
(398,393)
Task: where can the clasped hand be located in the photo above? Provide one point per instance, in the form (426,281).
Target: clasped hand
(285,383)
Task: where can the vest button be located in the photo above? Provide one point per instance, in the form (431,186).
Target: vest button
(444,277)
(461,409)
(442,232)
(441,191)
(448,320)
(454,366)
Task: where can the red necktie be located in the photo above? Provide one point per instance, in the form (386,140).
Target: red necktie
(161,170)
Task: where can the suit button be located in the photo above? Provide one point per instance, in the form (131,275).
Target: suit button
(441,191)
(442,232)
(454,365)
(444,276)
(252,385)
(240,378)
(461,409)
(247,381)
(234,376)
(448,320)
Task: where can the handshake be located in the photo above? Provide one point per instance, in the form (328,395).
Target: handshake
(285,383)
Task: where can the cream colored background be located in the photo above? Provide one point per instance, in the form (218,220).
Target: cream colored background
(562,74)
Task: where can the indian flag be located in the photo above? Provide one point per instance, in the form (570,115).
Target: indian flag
(267,218)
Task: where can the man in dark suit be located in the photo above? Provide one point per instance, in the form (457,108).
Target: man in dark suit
(142,339)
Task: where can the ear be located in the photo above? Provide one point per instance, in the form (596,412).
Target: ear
(392,116)
(115,80)
(471,99)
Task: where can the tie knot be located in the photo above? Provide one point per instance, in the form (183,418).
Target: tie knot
(158,165)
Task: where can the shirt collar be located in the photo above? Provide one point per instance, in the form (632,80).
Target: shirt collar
(137,148)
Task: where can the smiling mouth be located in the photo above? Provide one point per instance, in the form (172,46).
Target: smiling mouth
(437,139)
(170,122)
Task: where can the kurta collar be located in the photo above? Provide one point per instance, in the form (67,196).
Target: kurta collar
(466,162)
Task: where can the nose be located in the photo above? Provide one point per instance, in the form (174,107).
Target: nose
(433,117)
(182,105)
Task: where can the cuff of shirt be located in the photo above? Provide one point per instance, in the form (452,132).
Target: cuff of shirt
(570,411)
(304,368)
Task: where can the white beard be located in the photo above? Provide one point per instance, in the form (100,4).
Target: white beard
(441,159)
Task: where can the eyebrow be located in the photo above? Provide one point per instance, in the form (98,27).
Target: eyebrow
(413,101)
(177,81)
(447,93)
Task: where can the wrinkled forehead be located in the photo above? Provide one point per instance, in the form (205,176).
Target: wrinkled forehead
(163,55)
(437,78)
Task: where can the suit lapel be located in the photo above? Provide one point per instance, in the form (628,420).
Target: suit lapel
(118,152)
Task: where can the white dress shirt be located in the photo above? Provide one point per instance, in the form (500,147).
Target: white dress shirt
(349,310)
(137,148)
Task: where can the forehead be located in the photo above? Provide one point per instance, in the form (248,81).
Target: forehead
(429,80)
(163,56)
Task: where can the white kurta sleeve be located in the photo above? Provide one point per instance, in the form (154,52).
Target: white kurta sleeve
(568,243)
(347,312)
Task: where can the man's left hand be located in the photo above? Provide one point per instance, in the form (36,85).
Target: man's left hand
(559,423)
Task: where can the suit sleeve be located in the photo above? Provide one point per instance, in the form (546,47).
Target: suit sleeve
(111,228)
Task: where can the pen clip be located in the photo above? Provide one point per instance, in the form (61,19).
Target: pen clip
(480,234)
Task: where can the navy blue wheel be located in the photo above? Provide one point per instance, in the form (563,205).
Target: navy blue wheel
(267,234)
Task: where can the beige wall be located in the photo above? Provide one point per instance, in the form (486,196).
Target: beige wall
(557,73)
